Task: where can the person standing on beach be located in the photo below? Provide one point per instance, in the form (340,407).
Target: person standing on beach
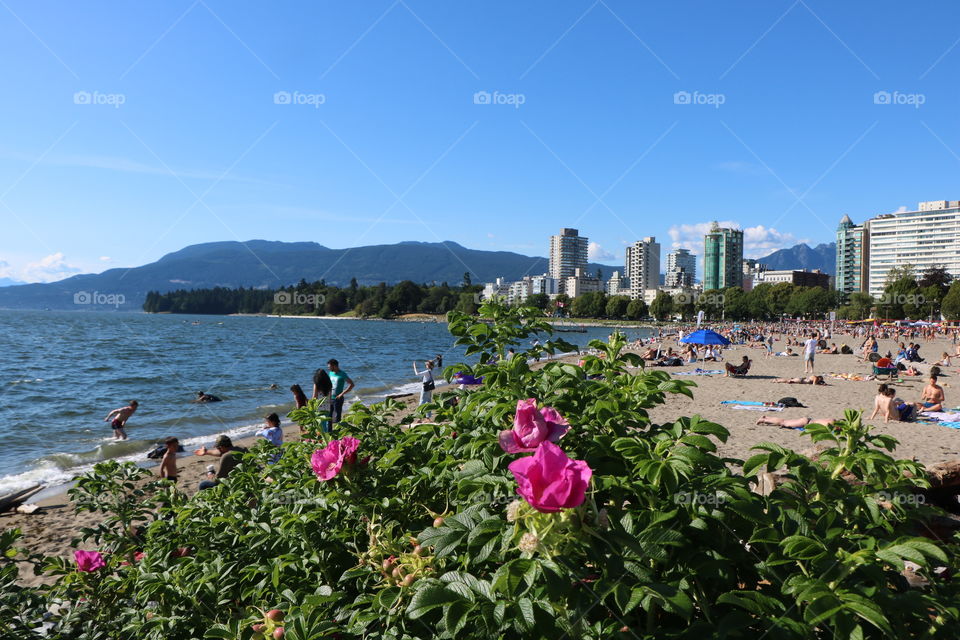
(809,351)
(339,380)
(168,465)
(273,434)
(426,389)
(322,389)
(118,419)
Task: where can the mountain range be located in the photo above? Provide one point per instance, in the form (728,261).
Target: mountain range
(801,256)
(268,264)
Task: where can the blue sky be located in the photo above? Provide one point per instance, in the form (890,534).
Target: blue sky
(133,129)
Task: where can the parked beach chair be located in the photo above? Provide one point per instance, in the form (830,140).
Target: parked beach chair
(891,372)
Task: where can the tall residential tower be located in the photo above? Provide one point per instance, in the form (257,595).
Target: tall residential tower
(722,258)
(853,257)
(568,252)
(642,266)
(681,268)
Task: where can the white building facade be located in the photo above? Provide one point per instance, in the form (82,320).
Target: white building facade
(923,238)
(642,266)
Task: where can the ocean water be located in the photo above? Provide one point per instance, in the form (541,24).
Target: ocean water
(62,372)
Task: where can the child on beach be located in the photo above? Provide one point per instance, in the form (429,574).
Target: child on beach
(168,466)
(272,433)
(119,419)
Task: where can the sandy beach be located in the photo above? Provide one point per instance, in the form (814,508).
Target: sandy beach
(51,529)
(928,443)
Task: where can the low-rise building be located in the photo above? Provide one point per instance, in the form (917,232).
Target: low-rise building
(804,278)
(578,284)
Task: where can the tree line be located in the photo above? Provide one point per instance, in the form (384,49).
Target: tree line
(321,299)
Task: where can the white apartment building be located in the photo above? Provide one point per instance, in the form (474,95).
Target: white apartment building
(578,284)
(617,286)
(922,238)
(497,289)
(681,268)
(642,266)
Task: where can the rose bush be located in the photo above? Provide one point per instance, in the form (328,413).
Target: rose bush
(623,528)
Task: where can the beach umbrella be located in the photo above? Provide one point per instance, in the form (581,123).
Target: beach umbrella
(705,336)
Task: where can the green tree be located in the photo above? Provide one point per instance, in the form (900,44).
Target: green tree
(539,300)
(711,303)
(590,305)
(861,304)
(637,309)
(467,280)
(950,307)
(735,304)
(662,306)
(617,307)
(561,305)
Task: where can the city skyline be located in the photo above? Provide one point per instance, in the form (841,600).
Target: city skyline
(134,131)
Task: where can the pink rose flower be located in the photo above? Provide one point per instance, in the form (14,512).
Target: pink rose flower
(89,560)
(549,480)
(531,426)
(328,461)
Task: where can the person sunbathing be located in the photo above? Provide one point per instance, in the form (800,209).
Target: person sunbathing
(649,354)
(737,370)
(944,360)
(814,380)
(832,349)
(793,423)
(884,403)
(932,398)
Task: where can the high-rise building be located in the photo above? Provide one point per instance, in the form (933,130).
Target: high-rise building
(722,258)
(568,252)
(681,268)
(923,238)
(642,266)
(853,257)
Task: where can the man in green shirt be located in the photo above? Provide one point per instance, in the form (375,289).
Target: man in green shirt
(342,385)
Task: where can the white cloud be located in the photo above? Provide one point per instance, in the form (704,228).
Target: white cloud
(105,258)
(5,270)
(758,241)
(596,253)
(48,269)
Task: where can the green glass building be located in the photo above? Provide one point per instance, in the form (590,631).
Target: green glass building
(722,258)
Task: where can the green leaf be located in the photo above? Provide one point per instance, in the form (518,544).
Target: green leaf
(428,598)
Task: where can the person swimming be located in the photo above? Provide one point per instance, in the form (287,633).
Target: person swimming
(205,397)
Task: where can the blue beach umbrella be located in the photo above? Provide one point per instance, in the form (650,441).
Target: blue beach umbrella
(705,336)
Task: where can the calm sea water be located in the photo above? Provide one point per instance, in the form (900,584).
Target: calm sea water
(62,372)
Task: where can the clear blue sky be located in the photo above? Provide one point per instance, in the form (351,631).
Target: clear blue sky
(200,151)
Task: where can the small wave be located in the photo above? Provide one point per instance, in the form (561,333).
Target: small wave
(26,381)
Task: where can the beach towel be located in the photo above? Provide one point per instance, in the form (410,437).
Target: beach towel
(754,408)
(952,425)
(749,403)
(941,416)
(698,372)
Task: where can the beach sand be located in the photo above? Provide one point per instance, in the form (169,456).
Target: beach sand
(928,443)
(51,529)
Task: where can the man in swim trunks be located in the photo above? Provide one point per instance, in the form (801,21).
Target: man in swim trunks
(118,419)
(932,398)
(168,466)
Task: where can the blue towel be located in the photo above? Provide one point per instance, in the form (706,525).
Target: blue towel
(748,403)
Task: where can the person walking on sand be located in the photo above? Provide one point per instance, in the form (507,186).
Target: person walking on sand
(168,465)
(342,385)
(809,351)
(426,389)
(118,419)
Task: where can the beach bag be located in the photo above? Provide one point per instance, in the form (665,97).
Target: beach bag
(845,349)
(789,402)
(428,385)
